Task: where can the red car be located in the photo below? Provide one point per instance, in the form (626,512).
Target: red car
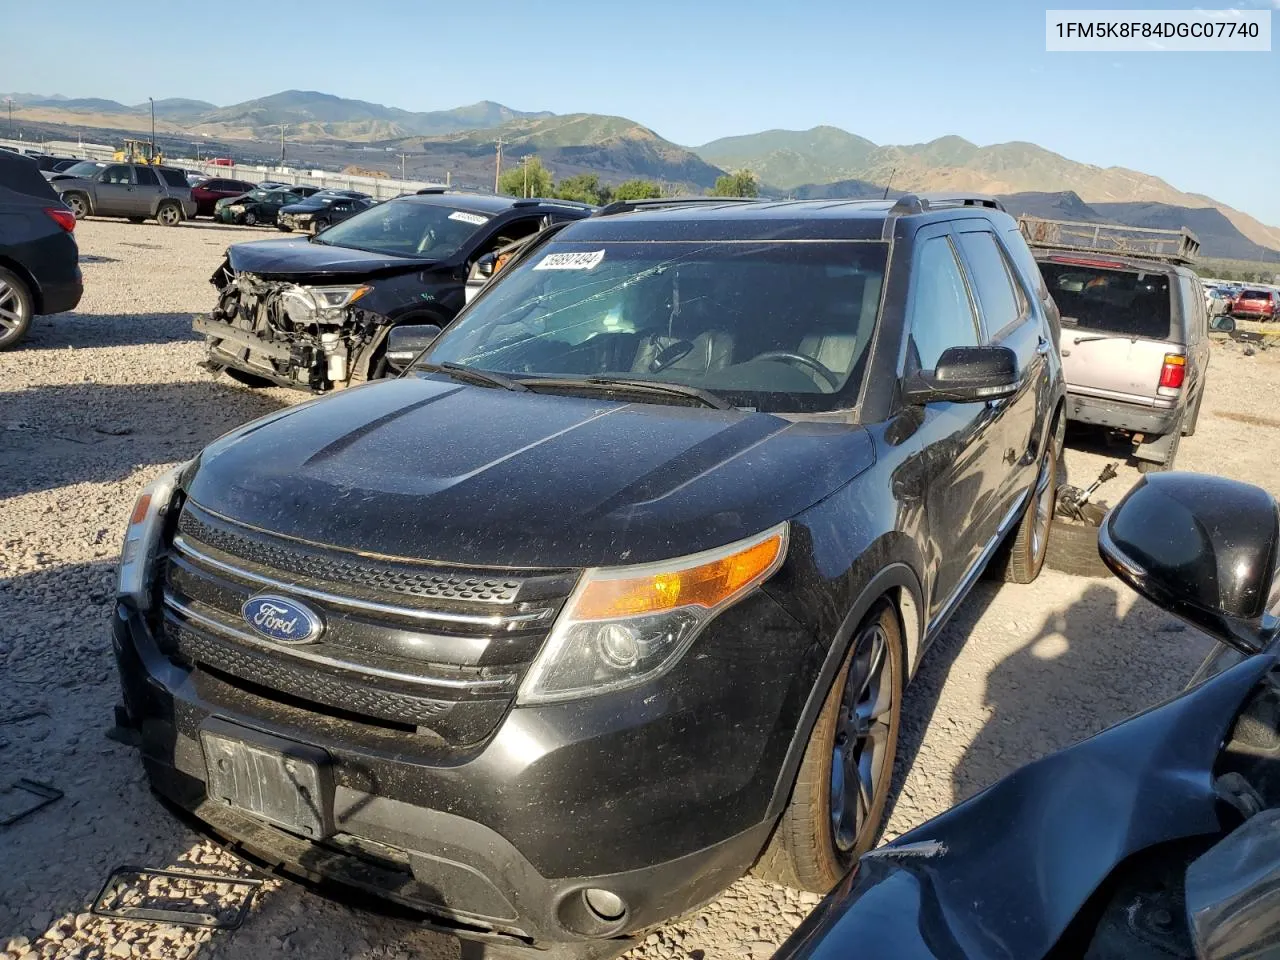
(209,192)
(1259,304)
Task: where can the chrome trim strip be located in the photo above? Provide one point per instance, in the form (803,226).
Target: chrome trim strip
(215,626)
(369,606)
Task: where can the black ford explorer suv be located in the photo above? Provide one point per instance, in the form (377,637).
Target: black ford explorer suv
(314,312)
(614,593)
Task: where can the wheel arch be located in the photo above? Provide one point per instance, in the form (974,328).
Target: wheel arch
(25,275)
(896,583)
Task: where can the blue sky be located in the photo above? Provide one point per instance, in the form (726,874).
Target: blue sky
(895,71)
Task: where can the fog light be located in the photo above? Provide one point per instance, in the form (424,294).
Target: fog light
(619,646)
(605,905)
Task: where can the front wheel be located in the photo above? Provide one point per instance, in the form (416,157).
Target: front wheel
(15,309)
(250,218)
(77,203)
(837,806)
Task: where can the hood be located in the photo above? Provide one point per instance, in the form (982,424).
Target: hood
(299,257)
(1004,873)
(309,205)
(433,470)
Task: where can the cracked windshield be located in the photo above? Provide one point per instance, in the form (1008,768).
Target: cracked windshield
(664,482)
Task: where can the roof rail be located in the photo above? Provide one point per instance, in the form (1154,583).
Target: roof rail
(1146,243)
(552,202)
(426,190)
(627,206)
(910,203)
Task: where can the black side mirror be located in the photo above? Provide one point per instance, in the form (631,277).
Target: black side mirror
(1202,547)
(965,375)
(406,343)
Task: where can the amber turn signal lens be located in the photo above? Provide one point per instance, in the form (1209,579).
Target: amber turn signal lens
(709,585)
(140,510)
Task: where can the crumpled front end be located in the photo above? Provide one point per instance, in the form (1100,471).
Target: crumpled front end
(295,334)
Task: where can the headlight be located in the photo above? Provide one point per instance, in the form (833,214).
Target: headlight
(320,304)
(143,535)
(236,208)
(623,626)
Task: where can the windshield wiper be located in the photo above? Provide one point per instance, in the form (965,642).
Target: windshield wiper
(624,385)
(484,378)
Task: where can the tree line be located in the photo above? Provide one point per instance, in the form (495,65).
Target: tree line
(531,179)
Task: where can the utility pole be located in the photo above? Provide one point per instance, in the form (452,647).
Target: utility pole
(283,128)
(153,129)
(402,159)
(497,170)
(524,162)
(448,178)
(9,101)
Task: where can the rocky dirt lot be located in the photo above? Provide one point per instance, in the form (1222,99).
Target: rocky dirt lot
(97,402)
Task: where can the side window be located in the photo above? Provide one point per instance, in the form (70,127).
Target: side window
(995,287)
(942,314)
(118,173)
(146,177)
(174,178)
(509,233)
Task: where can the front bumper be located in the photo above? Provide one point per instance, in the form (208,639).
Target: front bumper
(294,222)
(1134,417)
(662,795)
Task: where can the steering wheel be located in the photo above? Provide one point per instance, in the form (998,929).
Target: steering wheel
(800,360)
(670,354)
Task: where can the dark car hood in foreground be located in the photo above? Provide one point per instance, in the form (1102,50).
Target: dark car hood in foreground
(440,471)
(309,205)
(296,257)
(1021,858)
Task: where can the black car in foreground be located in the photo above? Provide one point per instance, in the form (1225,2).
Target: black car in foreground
(1157,839)
(314,313)
(615,592)
(39,260)
(322,210)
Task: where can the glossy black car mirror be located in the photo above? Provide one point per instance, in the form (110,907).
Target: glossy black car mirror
(405,343)
(1223,324)
(965,375)
(1202,547)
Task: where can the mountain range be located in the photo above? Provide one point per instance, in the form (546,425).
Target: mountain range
(822,162)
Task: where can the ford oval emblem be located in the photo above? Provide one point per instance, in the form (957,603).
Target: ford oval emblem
(281,619)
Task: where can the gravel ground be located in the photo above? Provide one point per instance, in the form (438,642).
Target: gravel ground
(100,401)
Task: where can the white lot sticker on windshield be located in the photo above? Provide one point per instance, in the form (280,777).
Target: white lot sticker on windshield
(570,261)
(472,218)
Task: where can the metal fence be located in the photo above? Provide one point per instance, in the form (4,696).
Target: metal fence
(380,188)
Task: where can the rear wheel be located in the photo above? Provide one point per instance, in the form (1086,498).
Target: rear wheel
(837,805)
(1025,556)
(16,309)
(168,214)
(1192,417)
(77,203)
(1159,466)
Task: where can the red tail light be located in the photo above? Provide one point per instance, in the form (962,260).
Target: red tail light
(62,217)
(1174,371)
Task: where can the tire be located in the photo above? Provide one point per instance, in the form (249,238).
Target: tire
(16,309)
(78,203)
(1024,556)
(1151,466)
(168,214)
(250,218)
(1191,419)
(241,377)
(1073,548)
(318,225)
(806,850)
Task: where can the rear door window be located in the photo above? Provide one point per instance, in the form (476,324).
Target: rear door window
(173,178)
(1129,303)
(942,313)
(119,173)
(990,274)
(146,177)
